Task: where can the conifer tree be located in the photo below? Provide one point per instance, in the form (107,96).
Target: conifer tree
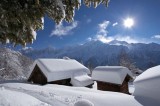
(20,19)
(126,62)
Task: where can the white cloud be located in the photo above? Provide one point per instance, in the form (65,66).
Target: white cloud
(128,39)
(115,24)
(61,30)
(104,39)
(102,36)
(102,32)
(156,36)
(102,28)
(89,20)
(89,39)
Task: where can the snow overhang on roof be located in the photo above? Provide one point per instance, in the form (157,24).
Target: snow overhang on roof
(81,79)
(111,74)
(57,69)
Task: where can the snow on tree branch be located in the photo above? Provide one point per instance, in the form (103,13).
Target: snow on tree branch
(20,19)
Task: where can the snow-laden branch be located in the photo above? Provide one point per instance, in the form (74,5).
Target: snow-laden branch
(2,69)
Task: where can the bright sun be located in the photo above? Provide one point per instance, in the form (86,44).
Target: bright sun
(129,22)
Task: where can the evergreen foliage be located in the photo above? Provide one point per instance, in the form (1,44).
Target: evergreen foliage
(126,62)
(20,19)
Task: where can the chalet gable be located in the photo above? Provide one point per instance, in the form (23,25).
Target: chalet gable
(58,69)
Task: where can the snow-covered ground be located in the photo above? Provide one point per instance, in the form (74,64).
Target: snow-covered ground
(15,98)
(21,94)
(146,92)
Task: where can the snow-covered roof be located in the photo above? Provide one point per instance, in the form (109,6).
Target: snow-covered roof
(110,74)
(81,79)
(57,69)
(147,84)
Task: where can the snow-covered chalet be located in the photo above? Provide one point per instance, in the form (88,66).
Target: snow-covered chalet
(60,71)
(112,78)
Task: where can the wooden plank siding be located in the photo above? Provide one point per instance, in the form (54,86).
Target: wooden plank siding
(123,88)
(62,82)
(38,77)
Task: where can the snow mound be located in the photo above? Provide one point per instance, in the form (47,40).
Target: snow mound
(83,102)
(59,95)
(111,74)
(147,84)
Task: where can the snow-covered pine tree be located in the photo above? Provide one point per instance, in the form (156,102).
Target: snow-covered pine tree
(20,19)
(126,62)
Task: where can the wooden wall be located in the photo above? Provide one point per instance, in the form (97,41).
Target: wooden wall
(114,87)
(37,76)
(107,86)
(62,82)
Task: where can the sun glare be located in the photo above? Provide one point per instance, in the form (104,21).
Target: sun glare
(128,23)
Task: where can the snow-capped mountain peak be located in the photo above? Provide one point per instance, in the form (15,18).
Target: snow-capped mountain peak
(117,42)
(96,53)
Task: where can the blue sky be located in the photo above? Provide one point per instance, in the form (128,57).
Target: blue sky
(104,24)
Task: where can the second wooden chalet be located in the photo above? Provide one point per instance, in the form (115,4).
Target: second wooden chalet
(112,78)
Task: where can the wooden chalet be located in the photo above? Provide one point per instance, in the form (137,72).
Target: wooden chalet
(55,71)
(112,78)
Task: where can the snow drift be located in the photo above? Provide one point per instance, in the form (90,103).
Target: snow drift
(59,95)
(147,85)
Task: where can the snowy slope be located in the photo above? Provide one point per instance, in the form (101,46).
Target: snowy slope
(14,98)
(22,94)
(13,65)
(58,95)
(147,84)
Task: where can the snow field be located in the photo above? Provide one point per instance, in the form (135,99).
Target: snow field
(58,95)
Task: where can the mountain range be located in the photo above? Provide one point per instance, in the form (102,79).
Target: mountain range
(96,53)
